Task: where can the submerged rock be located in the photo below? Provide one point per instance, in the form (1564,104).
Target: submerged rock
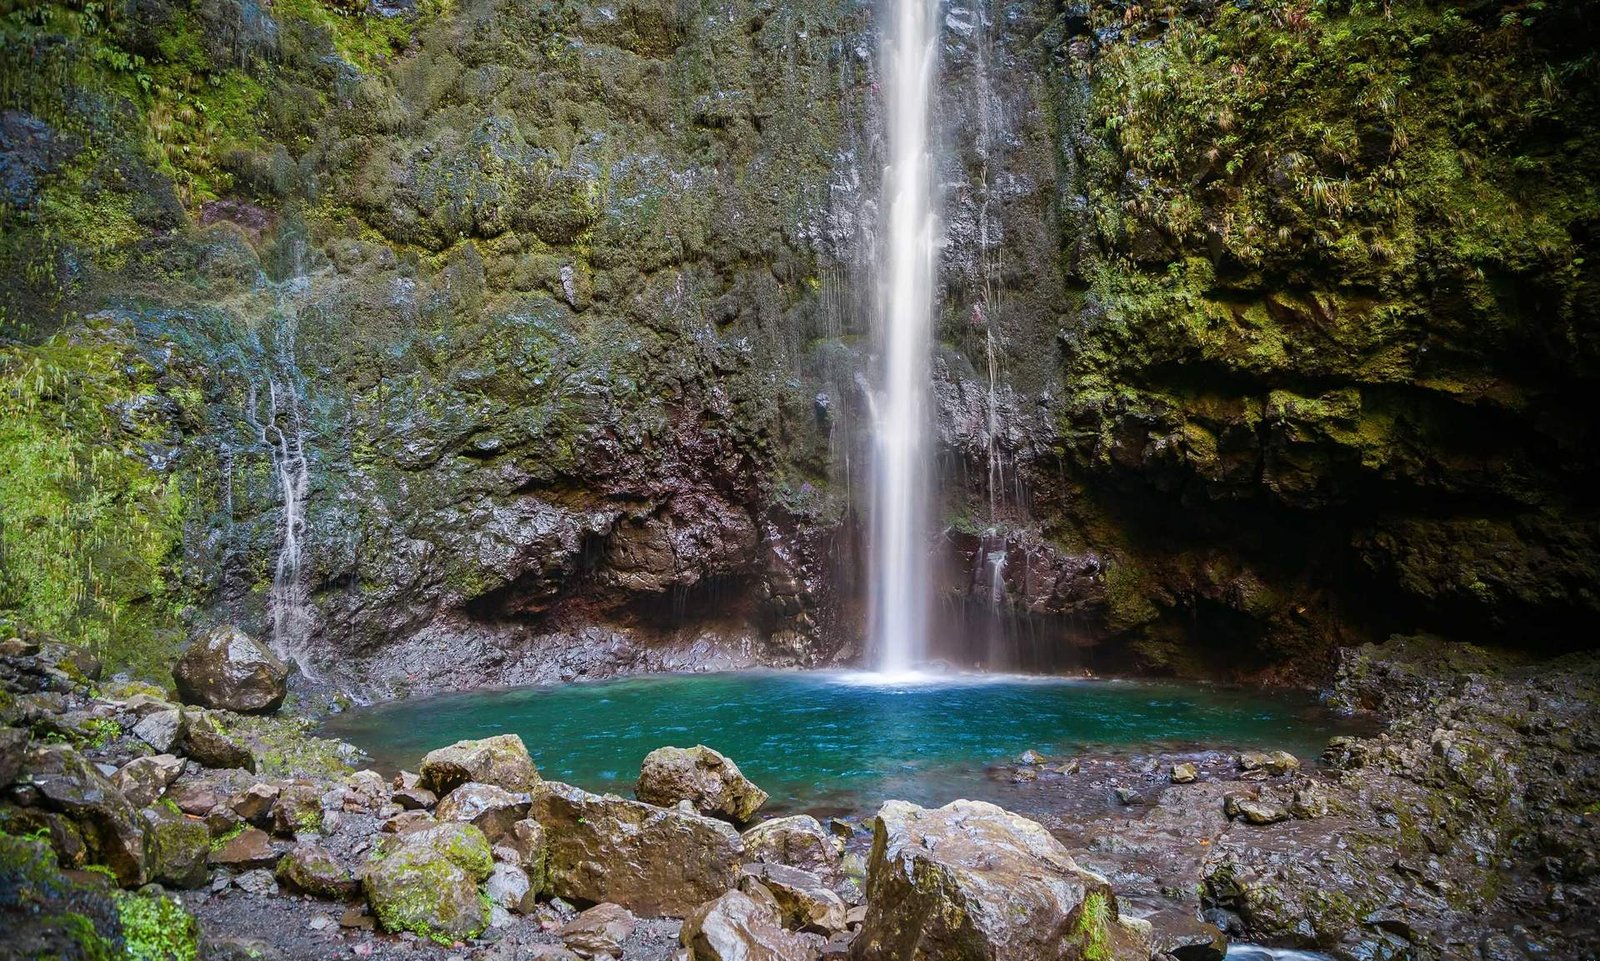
(701,776)
(972,880)
(501,761)
(651,860)
(737,927)
(227,668)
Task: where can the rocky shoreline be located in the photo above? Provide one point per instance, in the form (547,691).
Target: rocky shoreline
(143,825)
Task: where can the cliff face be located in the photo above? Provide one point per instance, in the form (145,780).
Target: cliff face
(516,340)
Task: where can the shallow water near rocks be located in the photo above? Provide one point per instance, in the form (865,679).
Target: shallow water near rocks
(836,741)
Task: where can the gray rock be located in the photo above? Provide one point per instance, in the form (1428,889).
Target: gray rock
(797,841)
(211,749)
(803,899)
(144,779)
(508,886)
(1274,763)
(162,730)
(227,668)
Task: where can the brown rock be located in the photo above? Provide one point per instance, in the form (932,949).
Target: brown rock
(737,927)
(502,761)
(804,901)
(227,668)
(144,779)
(251,849)
(654,861)
(599,931)
(971,880)
(701,776)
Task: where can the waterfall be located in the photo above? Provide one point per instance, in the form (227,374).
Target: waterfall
(274,412)
(899,578)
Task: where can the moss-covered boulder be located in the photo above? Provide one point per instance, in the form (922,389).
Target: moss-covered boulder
(313,869)
(45,914)
(180,846)
(429,882)
(115,834)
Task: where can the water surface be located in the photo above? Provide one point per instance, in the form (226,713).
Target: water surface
(826,741)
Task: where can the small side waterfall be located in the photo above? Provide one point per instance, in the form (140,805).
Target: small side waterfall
(900,575)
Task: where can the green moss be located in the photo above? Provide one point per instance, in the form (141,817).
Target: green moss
(157,928)
(89,530)
(1092,929)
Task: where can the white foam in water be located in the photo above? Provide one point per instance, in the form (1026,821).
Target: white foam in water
(1255,952)
(899,580)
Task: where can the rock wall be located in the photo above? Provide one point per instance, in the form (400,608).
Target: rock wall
(525,339)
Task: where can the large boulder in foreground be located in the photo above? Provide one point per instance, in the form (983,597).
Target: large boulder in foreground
(701,776)
(502,761)
(651,860)
(427,882)
(973,881)
(228,669)
(115,834)
(737,927)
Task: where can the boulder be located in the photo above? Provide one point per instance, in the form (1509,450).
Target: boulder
(1274,763)
(426,882)
(211,749)
(162,730)
(737,927)
(179,847)
(527,842)
(1184,773)
(249,849)
(493,809)
(502,761)
(599,931)
(1253,810)
(311,868)
(972,880)
(298,810)
(804,901)
(228,669)
(255,802)
(797,841)
(111,827)
(654,861)
(701,776)
(508,886)
(13,747)
(144,779)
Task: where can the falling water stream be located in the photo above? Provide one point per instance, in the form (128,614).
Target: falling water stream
(899,580)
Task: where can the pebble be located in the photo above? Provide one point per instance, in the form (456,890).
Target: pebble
(320,923)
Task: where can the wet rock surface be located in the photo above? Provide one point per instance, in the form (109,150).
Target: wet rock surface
(701,776)
(228,669)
